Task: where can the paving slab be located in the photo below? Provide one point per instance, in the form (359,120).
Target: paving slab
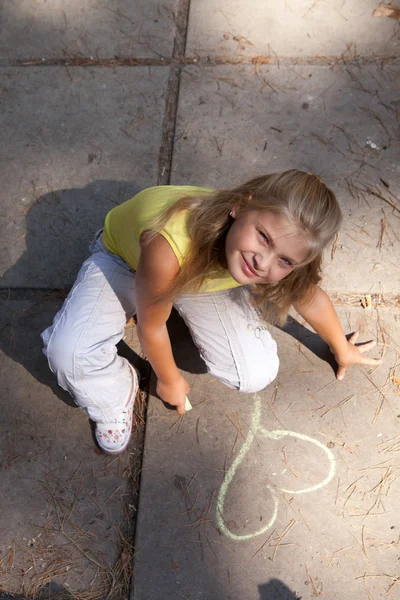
(296,29)
(64,504)
(289,493)
(76,143)
(340,122)
(98,29)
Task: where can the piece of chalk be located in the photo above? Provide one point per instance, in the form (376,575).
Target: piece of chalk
(188,406)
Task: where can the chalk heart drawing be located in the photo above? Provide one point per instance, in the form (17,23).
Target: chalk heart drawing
(277,434)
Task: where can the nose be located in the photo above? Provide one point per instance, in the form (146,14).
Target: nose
(263,262)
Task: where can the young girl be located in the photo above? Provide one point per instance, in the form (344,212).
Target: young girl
(226,260)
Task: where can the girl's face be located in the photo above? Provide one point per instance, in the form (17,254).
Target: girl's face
(263,247)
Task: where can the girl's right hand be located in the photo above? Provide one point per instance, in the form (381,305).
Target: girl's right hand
(174,393)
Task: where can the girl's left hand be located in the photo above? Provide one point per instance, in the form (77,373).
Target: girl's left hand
(354,355)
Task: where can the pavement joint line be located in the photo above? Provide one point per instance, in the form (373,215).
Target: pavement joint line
(181,23)
(168,128)
(178,61)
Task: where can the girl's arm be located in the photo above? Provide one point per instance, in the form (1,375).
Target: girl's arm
(157,268)
(321,315)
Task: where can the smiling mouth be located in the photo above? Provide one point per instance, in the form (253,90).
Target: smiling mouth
(247,269)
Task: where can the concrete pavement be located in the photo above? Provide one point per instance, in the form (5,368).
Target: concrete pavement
(292,492)
(75,142)
(286,494)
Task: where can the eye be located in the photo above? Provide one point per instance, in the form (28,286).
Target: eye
(264,237)
(286,262)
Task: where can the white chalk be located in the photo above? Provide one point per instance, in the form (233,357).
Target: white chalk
(188,406)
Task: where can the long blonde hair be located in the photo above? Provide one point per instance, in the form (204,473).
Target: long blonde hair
(300,197)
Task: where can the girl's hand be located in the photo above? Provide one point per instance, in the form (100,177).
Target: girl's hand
(174,393)
(353,355)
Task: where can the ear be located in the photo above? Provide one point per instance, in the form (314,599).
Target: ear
(234,212)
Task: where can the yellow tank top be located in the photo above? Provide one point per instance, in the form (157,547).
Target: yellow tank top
(125,223)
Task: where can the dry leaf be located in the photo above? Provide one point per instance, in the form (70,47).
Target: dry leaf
(396,379)
(366,302)
(387,10)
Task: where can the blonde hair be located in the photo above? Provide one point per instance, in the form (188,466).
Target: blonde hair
(300,197)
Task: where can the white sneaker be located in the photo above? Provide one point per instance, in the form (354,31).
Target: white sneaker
(114,437)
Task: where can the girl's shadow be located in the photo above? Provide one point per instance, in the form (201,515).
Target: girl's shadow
(310,340)
(275,589)
(59,228)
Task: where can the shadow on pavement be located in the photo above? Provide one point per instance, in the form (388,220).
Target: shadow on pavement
(310,340)
(275,589)
(59,229)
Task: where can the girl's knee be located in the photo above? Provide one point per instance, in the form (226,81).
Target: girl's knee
(259,377)
(59,350)
(255,377)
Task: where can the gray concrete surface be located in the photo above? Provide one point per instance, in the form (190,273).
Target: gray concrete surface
(321,119)
(64,503)
(290,28)
(300,499)
(312,489)
(98,29)
(79,142)
(76,141)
